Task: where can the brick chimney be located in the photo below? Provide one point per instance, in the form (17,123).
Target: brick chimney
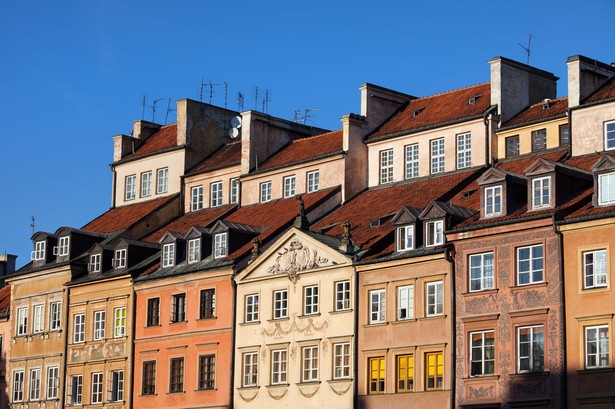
(585,76)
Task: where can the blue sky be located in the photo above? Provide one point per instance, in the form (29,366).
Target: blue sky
(73,74)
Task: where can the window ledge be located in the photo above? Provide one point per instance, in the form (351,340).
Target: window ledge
(250,323)
(206,390)
(279,319)
(177,322)
(530,374)
(589,371)
(316,314)
(175,393)
(213,318)
(308,383)
(376,324)
(339,380)
(248,388)
(529,286)
(595,289)
(481,292)
(152,326)
(403,321)
(479,378)
(430,317)
(340,311)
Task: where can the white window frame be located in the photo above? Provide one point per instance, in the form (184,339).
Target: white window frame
(405,302)
(265,191)
(63,246)
(39,250)
(493,201)
(194,251)
(310,297)
(99,325)
(464,150)
(609,135)
(606,188)
(313,181)
(437,155)
(196,198)
(220,245)
(377,306)
(116,388)
(35,384)
(55,315)
(250,369)
(595,269)
(119,261)
(130,187)
(434,299)
(97,388)
(168,255)
(535,343)
(94,264)
(22,321)
(386,166)
(481,272)
(251,313)
(280,304)
(434,233)
(78,328)
(119,322)
(53,382)
(405,238)
(76,393)
(342,295)
(216,194)
(38,319)
(233,194)
(412,161)
(341,360)
(525,266)
(482,353)
(290,183)
(146,183)
(600,344)
(279,366)
(18,385)
(541,192)
(309,363)
(162,180)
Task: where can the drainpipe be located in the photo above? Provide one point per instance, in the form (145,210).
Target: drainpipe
(113,185)
(133,346)
(355,364)
(451,259)
(65,360)
(233,340)
(560,241)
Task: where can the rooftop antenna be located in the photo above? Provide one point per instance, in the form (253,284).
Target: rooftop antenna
(302,119)
(266,102)
(201,93)
(143,111)
(168,110)
(33,224)
(527,49)
(256,99)
(240,101)
(225,93)
(154,109)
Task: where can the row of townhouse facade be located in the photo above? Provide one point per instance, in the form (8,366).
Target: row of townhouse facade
(445,251)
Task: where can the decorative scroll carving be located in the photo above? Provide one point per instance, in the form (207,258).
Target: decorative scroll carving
(246,398)
(308,329)
(97,352)
(277,397)
(341,392)
(294,258)
(481,392)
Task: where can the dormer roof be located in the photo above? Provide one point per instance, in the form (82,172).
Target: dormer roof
(438,209)
(223,225)
(496,175)
(406,215)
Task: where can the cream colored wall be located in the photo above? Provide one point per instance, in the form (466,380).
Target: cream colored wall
(223,175)
(525,136)
(588,128)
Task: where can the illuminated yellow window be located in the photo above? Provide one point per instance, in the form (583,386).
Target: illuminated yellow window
(376,375)
(405,373)
(120,322)
(435,370)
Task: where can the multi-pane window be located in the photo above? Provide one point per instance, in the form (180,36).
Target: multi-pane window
(529,264)
(194,250)
(435,233)
(412,161)
(564,135)
(207,307)
(168,254)
(99,325)
(153,312)
(437,155)
(539,140)
(130,188)
(405,302)
(162,184)
(493,201)
(250,369)
(481,272)
(482,353)
(176,379)
(309,372)
(434,375)
(196,198)
(405,373)
(377,302)
(18,386)
(146,184)
(597,347)
(94,266)
(78,328)
(310,296)
(178,308)
(280,304)
(279,360)
(386,166)
(76,389)
(148,384)
(119,261)
(594,269)
(220,245)
(53,382)
(119,326)
(435,299)
(265,189)
(541,192)
(55,315)
(39,318)
(606,188)
(342,295)
(63,245)
(609,135)
(39,251)
(512,146)
(531,349)
(207,371)
(252,308)
(97,388)
(341,360)
(464,150)
(117,386)
(377,372)
(35,384)
(313,181)
(22,321)
(216,194)
(234,193)
(405,238)
(289,186)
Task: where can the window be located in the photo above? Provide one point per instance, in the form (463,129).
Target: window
(22,321)
(539,140)
(377,306)
(250,369)
(405,373)
(594,269)
(39,318)
(341,360)
(564,135)
(97,387)
(78,328)
(435,233)
(531,349)
(597,347)
(53,382)
(234,190)
(289,186)
(437,155)
(435,299)
(94,266)
(482,353)
(310,295)
(119,327)
(412,161)
(376,375)
(178,308)
(278,366)
(207,371)
(18,386)
(76,391)
(606,187)
(63,244)
(153,312)
(207,308)
(541,192)
(99,325)
(342,295)
(131,182)
(481,272)
(309,372)
(176,381)
(194,251)
(252,308)
(168,255)
(39,251)
(529,265)
(405,302)
(512,146)
(220,245)
(55,316)
(119,261)
(35,384)
(146,184)
(609,135)
(435,370)
(216,194)
(493,201)
(464,150)
(386,166)
(117,386)
(280,304)
(265,189)
(162,185)
(148,384)
(196,201)
(405,238)
(313,181)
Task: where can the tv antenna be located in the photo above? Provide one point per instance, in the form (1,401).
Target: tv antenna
(256,99)
(154,109)
(33,224)
(168,110)
(527,49)
(143,109)
(225,93)
(266,101)
(240,101)
(302,115)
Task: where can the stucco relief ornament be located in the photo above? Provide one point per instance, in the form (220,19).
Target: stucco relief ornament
(294,258)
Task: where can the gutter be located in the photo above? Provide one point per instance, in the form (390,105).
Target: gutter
(563,315)
(449,254)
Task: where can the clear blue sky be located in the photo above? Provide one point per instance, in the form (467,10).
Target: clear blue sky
(73,73)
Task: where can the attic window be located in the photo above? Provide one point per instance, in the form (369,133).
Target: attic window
(417,112)
(168,255)
(119,261)
(546,104)
(374,223)
(220,245)
(94,264)
(472,100)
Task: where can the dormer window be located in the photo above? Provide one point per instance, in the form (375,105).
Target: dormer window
(194,251)
(434,233)
(405,238)
(168,255)
(94,265)
(541,192)
(609,135)
(62,248)
(493,201)
(606,188)
(39,251)
(220,245)
(119,261)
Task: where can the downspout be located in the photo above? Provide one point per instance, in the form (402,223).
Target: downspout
(233,341)
(113,185)
(65,331)
(563,315)
(133,346)
(355,363)
(451,259)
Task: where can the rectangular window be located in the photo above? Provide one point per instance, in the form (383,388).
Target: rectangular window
(119,327)
(435,233)
(55,316)
(539,140)
(117,386)
(35,384)
(176,380)
(309,372)
(153,312)
(435,299)
(78,328)
(146,184)
(405,238)
(529,265)
(265,189)
(564,135)
(594,269)
(234,194)
(207,371)
(250,369)
(280,304)
(216,194)
(63,245)
(512,146)
(341,360)
(162,184)
(99,325)
(606,187)
(196,198)
(168,255)
(18,386)
(310,296)
(53,382)
(609,135)
(437,155)
(22,321)
(531,349)
(435,371)
(342,295)
(194,251)
(148,384)
(313,181)
(178,308)
(39,251)
(220,245)
(252,308)
(464,150)
(405,373)
(493,201)
(541,192)
(131,182)
(377,306)
(405,302)
(481,272)
(412,161)
(386,166)
(482,353)
(39,318)
(377,372)
(278,366)
(597,347)
(97,387)
(119,261)
(207,308)
(76,389)
(289,186)
(94,265)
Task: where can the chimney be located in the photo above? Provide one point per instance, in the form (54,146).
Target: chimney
(515,86)
(144,129)
(354,128)
(7,266)
(585,76)
(378,104)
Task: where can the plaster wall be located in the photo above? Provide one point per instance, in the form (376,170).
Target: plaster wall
(587,129)
(6,331)
(525,136)
(223,175)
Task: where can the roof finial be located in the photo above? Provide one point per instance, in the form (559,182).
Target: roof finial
(256,247)
(345,242)
(301,222)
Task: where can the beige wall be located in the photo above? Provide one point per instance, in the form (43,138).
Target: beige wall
(588,128)
(6,330)
(223,175)
(525,136)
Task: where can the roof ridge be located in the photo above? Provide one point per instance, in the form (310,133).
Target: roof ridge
(451,91)
(314,136)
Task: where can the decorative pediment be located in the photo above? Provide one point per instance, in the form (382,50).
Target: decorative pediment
(406,215)
(492,176)
(435,210)
(605,163)
(540,167)
(196,232)
(170,237)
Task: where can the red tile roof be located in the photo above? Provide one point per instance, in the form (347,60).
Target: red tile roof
(5,300)
(436,110)
(304,149)
(606,92)
(165,138)
(520,164)
(534,113)
(227,155)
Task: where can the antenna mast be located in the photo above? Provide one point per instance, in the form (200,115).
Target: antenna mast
(32,225)
(201,93)
(239,101)
(168,110)
(143,110)
(302,119)
(154,109)
(528,48)
(225,93)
